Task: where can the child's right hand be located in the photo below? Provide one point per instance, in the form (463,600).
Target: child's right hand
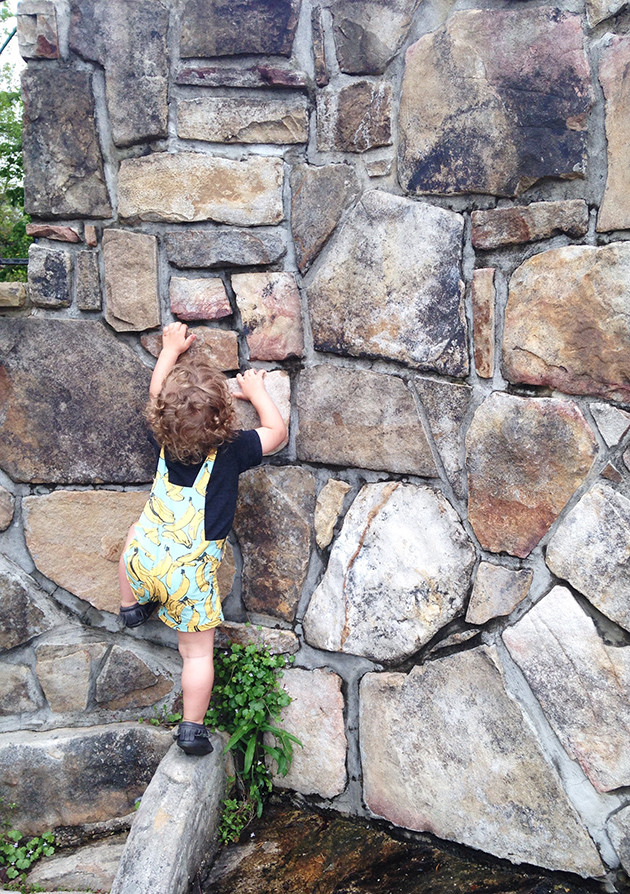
(176,338)
(251,383)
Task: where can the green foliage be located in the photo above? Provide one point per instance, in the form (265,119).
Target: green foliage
(18,852)
(246,700)
(163,717)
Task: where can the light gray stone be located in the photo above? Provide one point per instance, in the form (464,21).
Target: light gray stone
(315,716)
(496,592)
(368,33)
(271,311)
(591,550)
(88,281)
(7,508)
(446,405)
(278,387)
(390,286)
(398,572)
(598,10)
(354,118)
(128,681)
(19,693)
(91,867)
(189,186)
(327,510)
(25,610)
(131,281)
(219,119)
(224,247)
(581,683)
(618,828)
(49,277)
(37,30)
(57,664)
(612,422)
(448,751)
(176,825)
(238,27)
(362,419)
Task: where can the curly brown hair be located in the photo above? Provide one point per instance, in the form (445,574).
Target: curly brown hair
(193,413)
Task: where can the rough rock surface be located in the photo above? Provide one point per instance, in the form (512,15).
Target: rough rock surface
(446,405)
(127,681)
(92,868)
(591,550)
(272,314)
(59,663)
(598,10)
(191,186)
(49,277)
(25,610)
(581,683)
(88,280)
(71,776)
(612,422)
(63,165)
(614,211)
(618,828)
(525,459)
(219,346)
(277,641)
(315,716)
(51,231)
(398,572)
(12,294)
(37,30)
(273,523)
(354,118)
(199,299)
(176,824)
(360,418)
(368,33)
(493,101)
(19,692)
(483,299)
(7,508)
(319,196)
(76,538)
(566,323)
(496,591)
(219,119)
(319,47)
(327,510)
(255,76)
(390,286)
(237,27)
(224,247)
(131,280)
(420,757)
(278,386)
(527,223)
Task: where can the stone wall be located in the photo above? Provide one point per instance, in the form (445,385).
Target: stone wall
(416,216)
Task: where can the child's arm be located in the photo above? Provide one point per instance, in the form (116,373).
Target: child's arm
(273,431)
(175,340)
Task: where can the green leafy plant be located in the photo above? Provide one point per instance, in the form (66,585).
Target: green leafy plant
(164,717)
(18,852)
(247,700)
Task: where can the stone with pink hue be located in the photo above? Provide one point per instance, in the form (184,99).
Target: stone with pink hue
(483,298)
(525,459)
(315,716)
(220,346)
(566,321)
(131,280)
(199,299)
(91,235)
(527,223)
(354,118)
(256,76)
(581,683)
(50,231)
(272,314)
(37,30)
(496,592)
(614,211)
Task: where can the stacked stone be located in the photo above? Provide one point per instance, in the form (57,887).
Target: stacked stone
(417,222)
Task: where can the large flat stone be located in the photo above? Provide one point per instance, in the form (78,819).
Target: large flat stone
(398,572)
(131,280)
(219,119)
(276,640)
(25,610)
(92,867)
(319,196)
(566,323)
(237,27)
(315,716)
(87,425)
(591,550)
(494,101)
(49,277)
(354,118)
(390,286)
(190,186)
(581,683)
(71,776)
(446,750)
(368,34)
(76,538)
(63,165)
(614,212)
(446,405)
(527,223)
(19,692)
(224,247)
(130,40)
(362,419)
(219,346)
(525,459)
(130,680)
(57,663)
(271,311)
(273,524)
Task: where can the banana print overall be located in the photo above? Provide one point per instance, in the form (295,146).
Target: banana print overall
(169,561)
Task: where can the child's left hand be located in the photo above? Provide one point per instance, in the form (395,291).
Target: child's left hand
(176,338)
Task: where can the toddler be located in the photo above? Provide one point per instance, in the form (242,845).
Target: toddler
(172,553)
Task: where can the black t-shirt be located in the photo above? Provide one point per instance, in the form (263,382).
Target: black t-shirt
(238,455)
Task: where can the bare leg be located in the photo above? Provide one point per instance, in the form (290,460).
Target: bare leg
(197,651)
(126,593)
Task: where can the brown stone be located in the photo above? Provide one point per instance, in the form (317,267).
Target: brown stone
(327,510)
(49,277)
(70,536)
(220,346)
(199,299)
(256,77)
(611,473)
(126,681)
(319,196)
(598,10)
(87,425)
(566,322)
(190,186)
(362,419)
(37,30)
(221,28)
(273,523)
(91,236)
(50,231)
(368,34)
(219,119)
(131,280)
(57,665)
(226,572)
(525,458)
(527,223)
(7,508)
(319,47)
(614,212)
(496,592)
(483,298)
(88,281)
(378,167)
(354,118)
(18,690)
(63,165)
(493,101)
(446,405)
(278,386)
(224,247)
(25,610)
(12,294)
(272,314)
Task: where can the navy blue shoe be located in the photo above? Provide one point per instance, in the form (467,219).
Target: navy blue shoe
(194,738)
(135,615)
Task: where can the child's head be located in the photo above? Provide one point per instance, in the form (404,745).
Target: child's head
(193,412)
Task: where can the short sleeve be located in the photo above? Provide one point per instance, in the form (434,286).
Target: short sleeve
(248,450)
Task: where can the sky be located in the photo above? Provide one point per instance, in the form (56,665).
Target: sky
(11,54)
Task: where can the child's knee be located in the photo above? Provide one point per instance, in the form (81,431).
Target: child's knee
(198,644)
